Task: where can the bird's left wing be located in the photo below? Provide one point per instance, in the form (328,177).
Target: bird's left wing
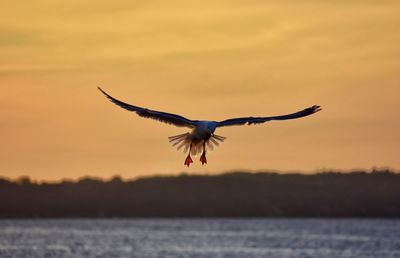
(153,114)
(259,120)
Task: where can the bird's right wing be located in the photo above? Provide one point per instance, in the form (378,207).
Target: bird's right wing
(259,120)
(168,118)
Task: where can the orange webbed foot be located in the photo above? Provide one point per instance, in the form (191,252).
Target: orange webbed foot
(203,158)
(188,160)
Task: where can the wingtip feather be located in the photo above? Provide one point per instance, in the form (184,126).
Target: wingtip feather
(100,89)
(316,108)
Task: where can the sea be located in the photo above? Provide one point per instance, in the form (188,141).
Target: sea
(213,237)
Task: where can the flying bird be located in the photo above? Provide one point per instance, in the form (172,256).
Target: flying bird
(202,133)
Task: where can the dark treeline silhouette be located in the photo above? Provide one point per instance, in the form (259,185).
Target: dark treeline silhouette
(355,194)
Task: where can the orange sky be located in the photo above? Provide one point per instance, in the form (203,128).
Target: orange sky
(204,60)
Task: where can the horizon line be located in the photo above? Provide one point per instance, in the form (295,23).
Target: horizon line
(374,169)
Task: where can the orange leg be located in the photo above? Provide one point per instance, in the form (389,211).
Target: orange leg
(203,158)
(188,159)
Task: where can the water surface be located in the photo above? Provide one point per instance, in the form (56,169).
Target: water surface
(233,238)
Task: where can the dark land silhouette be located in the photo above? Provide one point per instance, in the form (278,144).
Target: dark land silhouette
(239,194)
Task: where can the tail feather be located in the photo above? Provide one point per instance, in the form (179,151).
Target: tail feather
(180,140)
(218,137)
(176,137)
(209,145)
(185,140)
(214,141)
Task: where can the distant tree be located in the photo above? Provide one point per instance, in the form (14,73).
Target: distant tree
(239,194)
(116,179)
(24,180)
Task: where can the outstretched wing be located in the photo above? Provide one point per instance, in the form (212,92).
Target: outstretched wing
(156,115)
(259,120)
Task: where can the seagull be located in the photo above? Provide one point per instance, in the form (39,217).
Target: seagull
(202,132)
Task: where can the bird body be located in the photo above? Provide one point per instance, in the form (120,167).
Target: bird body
(202,136)
(202,130)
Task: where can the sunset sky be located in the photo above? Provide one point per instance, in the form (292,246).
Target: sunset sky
(203,60)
